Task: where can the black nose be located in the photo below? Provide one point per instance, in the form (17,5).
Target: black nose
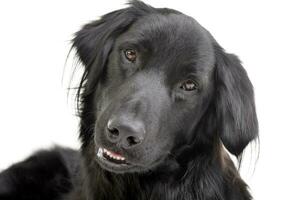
(125,131)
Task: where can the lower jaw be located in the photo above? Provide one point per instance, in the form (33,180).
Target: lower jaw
(116,168)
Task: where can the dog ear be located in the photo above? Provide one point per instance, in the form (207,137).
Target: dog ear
(235,107)
(95,40)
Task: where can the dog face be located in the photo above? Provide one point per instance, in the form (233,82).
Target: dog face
(156,83)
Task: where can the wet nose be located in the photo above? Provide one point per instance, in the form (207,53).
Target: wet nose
(128,132)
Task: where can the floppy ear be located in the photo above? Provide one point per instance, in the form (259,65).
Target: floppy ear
(97,37)
(235,107)
(95,40)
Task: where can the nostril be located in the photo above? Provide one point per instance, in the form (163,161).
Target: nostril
(113,132)
(133,140)
(125,131)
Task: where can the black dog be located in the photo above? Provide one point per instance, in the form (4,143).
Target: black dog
(158,100)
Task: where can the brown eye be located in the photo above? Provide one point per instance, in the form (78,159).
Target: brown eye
(130,55)
(188,85)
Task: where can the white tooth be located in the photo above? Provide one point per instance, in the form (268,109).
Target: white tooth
(102,151)
(99,153)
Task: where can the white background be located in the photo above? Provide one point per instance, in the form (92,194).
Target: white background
(36,113)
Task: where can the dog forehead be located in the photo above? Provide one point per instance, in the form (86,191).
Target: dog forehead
(174,37)
(172,30)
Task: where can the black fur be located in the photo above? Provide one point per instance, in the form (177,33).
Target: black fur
(172,138)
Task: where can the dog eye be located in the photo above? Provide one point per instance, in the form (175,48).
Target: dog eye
(130,55)
(188,85)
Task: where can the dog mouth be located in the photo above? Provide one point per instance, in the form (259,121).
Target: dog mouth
(118,163)
(112,157)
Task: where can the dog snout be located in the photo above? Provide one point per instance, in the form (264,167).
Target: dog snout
(125,131)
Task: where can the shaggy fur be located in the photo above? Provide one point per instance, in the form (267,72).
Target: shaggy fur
(169,112)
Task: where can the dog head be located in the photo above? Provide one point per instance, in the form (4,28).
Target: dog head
(156,83)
